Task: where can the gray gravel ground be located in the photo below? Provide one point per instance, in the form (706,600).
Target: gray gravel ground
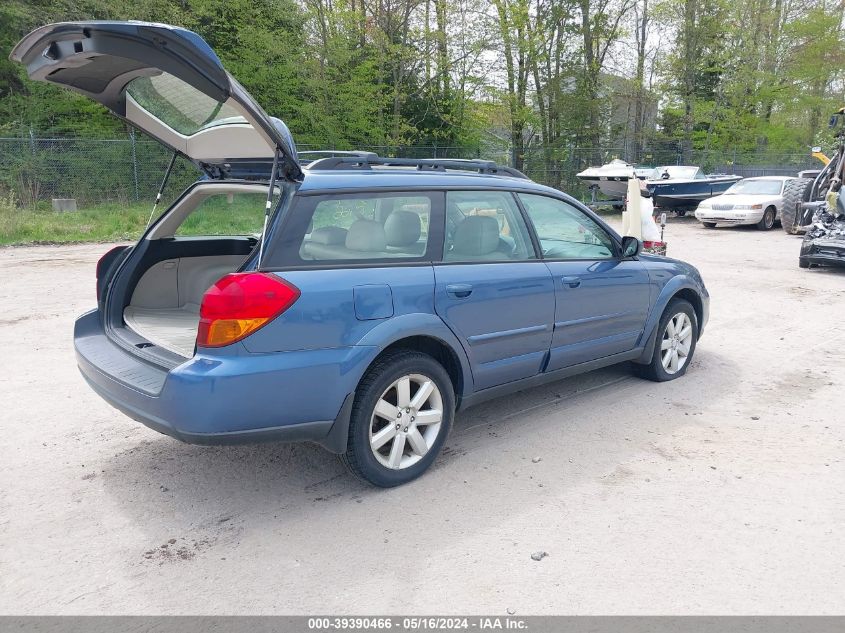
(723,492)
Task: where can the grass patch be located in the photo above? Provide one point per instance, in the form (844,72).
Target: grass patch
(110,222)
(116,222)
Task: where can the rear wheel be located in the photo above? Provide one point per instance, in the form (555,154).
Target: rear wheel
(401,416)
(794,192)
(677,334)
(709,225)
(767,221)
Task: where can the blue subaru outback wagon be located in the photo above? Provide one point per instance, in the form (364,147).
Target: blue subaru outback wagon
(350,300)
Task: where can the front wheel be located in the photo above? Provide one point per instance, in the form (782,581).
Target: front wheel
(401,416)
(767,221)
(709,225)
(677,334)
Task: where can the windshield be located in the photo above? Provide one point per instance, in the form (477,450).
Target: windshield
(769,187)
(676,171)
(180,105)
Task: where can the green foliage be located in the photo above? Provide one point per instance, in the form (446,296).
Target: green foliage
(41,225)
(540,78)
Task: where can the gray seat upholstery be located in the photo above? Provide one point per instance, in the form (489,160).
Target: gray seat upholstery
(324,242)
(476,238)
(332,242)
(402,230)
(366,236)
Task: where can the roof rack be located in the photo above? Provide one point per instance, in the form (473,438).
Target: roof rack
(366,160)
(317,154)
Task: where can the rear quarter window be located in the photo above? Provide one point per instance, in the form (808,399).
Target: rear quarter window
(358,228)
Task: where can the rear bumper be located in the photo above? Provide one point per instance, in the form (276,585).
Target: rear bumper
(232,398)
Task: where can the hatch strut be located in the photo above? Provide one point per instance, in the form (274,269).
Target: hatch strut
(268,207)
(163,185)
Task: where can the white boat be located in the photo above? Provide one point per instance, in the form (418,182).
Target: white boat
(611,179)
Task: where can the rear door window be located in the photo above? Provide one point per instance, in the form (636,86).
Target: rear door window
(485,226)
(359,228)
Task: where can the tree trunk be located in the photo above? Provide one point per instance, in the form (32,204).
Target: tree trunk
(442,50)
(688,93)
(590,82)
(639,104)
(515,68)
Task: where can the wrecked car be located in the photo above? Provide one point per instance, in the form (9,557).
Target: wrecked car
(821,212)
(824,241)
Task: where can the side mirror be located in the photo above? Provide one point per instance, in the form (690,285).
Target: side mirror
(662,219)
(631,246)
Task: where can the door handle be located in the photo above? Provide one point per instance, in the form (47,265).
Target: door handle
(573,281)
(459,291)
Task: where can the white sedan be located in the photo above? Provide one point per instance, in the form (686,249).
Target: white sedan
(750,201)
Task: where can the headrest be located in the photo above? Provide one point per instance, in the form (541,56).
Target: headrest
(367,236)
(402,228)
(329,235)
(476,235)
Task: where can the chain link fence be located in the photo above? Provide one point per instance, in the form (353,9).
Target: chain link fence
(90,170)
(93,171)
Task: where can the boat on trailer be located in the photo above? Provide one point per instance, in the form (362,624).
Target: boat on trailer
(611,179)
(681,187)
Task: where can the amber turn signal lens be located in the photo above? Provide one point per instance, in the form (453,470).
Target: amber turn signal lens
(241,303)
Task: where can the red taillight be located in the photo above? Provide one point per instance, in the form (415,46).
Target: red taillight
(240,303)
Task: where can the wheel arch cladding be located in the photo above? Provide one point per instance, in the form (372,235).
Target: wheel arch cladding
(692,297)
(426,333)
(678,288)
(439,350)
(442,352)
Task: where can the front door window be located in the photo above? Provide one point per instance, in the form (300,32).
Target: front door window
(566,232)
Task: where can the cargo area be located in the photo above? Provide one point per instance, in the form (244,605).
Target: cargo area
(164,308)
(206,234)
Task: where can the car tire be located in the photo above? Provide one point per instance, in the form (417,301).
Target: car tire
(794,192)
(389,453)
(803,263)
(709,225)
(677,312)
(768,220)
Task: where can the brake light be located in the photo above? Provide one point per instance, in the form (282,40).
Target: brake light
(239,304)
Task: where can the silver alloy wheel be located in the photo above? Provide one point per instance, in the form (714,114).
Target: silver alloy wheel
(676,343)
(406,421)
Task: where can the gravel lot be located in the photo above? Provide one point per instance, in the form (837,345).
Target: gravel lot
(723,492)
